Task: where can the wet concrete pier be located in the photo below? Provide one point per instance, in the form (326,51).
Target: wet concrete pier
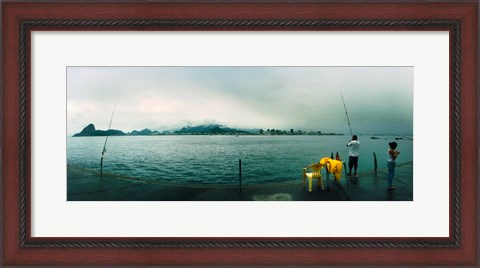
(86,185)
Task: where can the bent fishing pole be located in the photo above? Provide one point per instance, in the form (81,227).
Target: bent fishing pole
(348,119)
(105,145)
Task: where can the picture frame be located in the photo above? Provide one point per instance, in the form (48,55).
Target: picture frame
(19,248)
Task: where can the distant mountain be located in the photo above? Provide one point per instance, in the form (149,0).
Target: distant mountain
(87,131)
(211,129)
(144,132)
(91,131)
(206,129)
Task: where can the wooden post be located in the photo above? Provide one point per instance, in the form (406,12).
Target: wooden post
(327,171)
(375,162)
(346,175)
(240,174)
(101,168)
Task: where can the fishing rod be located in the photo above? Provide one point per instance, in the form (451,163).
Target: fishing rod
(348,119)
(105,145)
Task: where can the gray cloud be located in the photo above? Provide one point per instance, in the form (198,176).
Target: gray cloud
(378,99)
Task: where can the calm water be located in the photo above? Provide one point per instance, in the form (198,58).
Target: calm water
(214,159)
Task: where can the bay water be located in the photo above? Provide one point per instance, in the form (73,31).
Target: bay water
(215,159)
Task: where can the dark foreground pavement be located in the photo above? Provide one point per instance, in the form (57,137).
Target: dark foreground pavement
(371,187)
(86,185)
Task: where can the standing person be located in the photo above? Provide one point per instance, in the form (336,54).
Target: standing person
(354,145)
(391,157)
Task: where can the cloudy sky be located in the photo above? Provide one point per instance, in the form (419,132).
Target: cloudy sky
(378,99)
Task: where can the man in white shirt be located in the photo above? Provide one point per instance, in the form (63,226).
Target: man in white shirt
(354,145)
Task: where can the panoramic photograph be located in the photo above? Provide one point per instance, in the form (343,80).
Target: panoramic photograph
(239,133)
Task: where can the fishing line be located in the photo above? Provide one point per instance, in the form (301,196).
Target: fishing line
(348,119)
(105,144)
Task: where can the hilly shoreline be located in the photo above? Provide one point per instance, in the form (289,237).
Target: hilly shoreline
(209,129)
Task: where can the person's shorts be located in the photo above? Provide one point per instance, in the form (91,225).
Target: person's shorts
(353,160)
